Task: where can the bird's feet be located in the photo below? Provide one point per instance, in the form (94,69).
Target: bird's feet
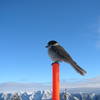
(55,62)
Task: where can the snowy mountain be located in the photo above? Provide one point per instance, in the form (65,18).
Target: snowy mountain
(88,89)
(46,95)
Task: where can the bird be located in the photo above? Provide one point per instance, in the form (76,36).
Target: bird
(58,54)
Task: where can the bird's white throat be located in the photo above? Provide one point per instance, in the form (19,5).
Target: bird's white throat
(55,44)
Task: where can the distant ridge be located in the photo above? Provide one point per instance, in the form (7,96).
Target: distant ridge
(93,83)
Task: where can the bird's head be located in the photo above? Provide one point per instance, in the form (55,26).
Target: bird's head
(52,43)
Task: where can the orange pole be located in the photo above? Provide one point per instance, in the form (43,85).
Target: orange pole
(55,82)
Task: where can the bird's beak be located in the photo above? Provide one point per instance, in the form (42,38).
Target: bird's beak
(46,46)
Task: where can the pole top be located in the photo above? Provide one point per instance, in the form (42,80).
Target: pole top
(55,63)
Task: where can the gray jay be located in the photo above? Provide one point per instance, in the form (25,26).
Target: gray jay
(58,53)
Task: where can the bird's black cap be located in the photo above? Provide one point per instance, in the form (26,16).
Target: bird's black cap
(52,42)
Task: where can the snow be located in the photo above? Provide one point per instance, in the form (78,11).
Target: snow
(47,95)
(88,89)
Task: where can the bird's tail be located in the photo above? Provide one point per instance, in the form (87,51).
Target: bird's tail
(77,67)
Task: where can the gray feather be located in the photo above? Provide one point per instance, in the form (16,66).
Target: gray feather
(61,55)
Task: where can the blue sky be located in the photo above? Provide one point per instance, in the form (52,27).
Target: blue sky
(27,25)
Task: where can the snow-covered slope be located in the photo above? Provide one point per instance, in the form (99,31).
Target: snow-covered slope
(46,95)
(88,89)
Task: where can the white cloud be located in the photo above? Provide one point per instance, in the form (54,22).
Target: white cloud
(98,38)
(87,83)
(15,87)
(98,44)
(98,34)
(99,31)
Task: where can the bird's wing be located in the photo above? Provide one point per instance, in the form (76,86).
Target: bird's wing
(61,52)
(67,58)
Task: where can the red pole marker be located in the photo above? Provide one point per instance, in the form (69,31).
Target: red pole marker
(55,82)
